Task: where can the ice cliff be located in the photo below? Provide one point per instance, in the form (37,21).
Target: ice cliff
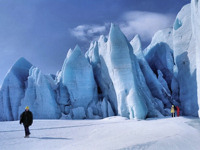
(195,15)
(13,89)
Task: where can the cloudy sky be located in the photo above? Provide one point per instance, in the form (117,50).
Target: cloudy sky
(42,31)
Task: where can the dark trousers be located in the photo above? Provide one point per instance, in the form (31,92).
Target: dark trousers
(27,132)
(173,114)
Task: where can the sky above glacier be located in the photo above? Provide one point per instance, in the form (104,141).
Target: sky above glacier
(42,31)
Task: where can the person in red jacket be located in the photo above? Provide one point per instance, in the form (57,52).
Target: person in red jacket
(178,111)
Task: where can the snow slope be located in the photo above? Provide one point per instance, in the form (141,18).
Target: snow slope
(107,134)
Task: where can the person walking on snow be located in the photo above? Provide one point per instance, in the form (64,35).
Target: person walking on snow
(178,111)
(27,119)
(173,111)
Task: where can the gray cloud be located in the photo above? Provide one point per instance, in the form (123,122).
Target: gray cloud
(144,23)
(88,32)
(131,23)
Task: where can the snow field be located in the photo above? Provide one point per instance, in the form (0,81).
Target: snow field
(107,134)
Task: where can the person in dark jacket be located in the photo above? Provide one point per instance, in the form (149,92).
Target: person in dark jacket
(27,119)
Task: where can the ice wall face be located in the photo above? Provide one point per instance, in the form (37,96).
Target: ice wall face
(77,76)
(96,57)
(143,74)
(13,89)
(99,57)
(176,46)
(185,59)
(63,97)
(160,57)
(1,107)
(195,14)
(160,50)
(122,72)
(40,96)
(164,35)
(156,88)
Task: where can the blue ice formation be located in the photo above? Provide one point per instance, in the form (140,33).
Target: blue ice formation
(96,57)
(195,22)
(154,87)
(78,78)
(40,96)
(177,24)
(160,57)
(12,90)
(185,60)
(127,78)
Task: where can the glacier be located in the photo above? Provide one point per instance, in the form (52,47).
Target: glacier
(184,54)
(78,78)
(97,59)
(40,96)
(12,90)
(195,14)
(164,35)
(114,77)
(127,78)
(120,69)
(152,82)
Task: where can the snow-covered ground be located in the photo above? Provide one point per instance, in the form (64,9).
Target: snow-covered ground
(107,134)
